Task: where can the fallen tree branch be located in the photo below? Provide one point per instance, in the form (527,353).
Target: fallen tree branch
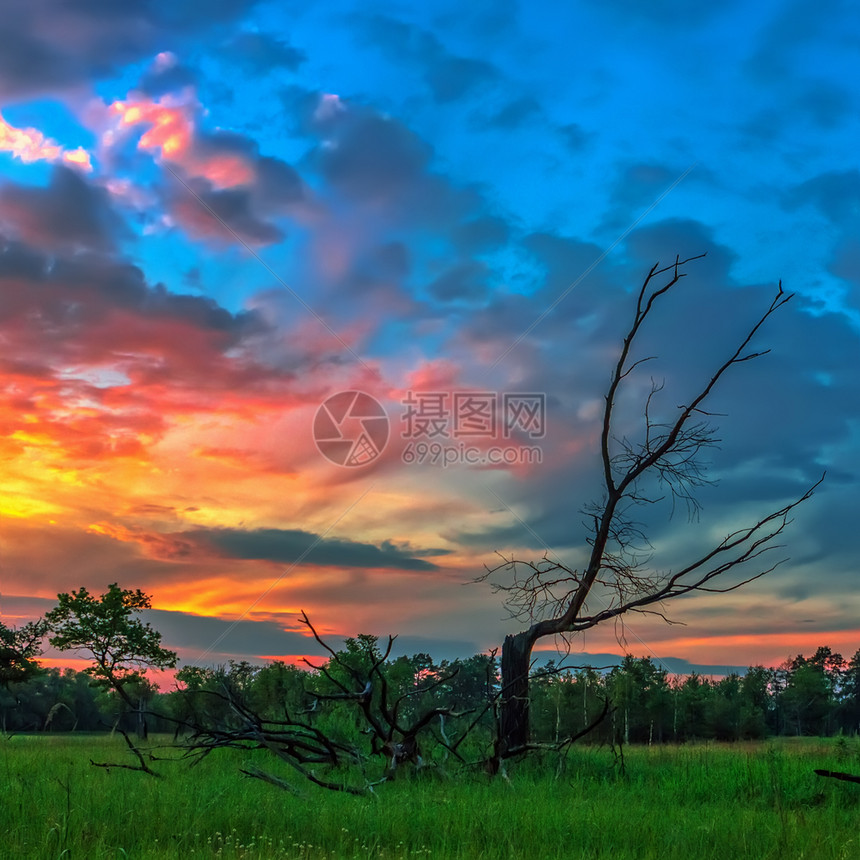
(834,774)
(142,767)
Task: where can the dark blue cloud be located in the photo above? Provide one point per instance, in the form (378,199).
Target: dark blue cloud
(448,76)
(516,113)
(261,53)
(286,546)
(158,81)
(465,281)
(795,24)
(485,233)
(370,156)
(667,13)
(68,214)
(51,46)
(261,641)
(836,194)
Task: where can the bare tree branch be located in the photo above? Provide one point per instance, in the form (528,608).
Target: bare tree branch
(551,598)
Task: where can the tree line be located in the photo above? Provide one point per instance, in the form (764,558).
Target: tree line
(806,695)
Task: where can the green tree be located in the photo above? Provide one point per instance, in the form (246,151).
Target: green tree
(589,696)
(725,709)
(757,704)
(692,697)
(551,700)
(565,703)
(279,689)
(643,700)
(19,648)
(809,696)
(120,644)
(851,695)
(626,685)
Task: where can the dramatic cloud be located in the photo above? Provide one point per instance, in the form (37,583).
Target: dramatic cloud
(836,194)
(51,46)
(214,217)
(464,281)
(448,76)
(30,145)
(284,546)
(369,156)
(70,214)
(217,185)
(261,53)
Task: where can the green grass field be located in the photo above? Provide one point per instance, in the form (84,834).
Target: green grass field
(697,801)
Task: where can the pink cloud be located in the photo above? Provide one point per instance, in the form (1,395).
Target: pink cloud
(172,135)
(30,145)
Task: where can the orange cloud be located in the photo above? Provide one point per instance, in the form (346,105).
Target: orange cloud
(768,648)
(172,135)
(29,145)
(79,158)
(165,547)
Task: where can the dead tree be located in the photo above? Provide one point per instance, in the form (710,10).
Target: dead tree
(835,774)
(386,741)
(390,735)
(551,596)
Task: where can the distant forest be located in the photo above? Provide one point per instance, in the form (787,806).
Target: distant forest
(817,695)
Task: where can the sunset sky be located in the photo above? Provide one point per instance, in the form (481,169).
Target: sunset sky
(214,217)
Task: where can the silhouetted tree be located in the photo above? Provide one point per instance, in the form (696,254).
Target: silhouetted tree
(120,644)
(19,649)
(851,695)
(757,710)
(810,694)
(692,695)
(551,597)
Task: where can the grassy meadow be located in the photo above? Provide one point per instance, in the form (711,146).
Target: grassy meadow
(757,800)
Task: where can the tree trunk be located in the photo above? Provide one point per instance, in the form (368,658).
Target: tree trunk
(142,728)
(514,718)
